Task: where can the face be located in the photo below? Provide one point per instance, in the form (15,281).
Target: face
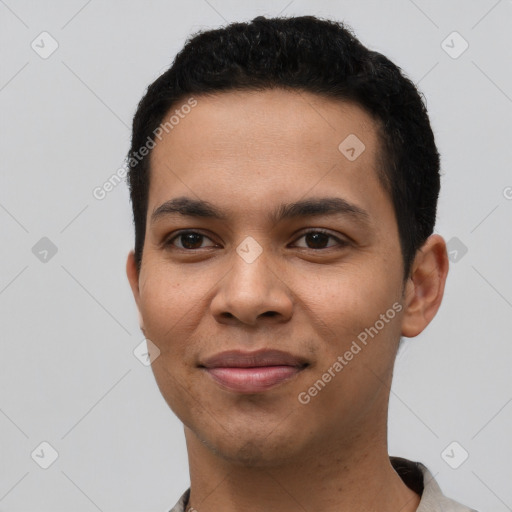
(321,281)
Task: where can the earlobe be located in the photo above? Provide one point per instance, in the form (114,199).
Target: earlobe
(425,287)
(141,323)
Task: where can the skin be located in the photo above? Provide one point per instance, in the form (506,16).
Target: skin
(246,153)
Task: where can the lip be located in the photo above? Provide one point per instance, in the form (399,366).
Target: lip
(252,372)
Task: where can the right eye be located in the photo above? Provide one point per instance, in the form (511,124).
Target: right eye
(190,240)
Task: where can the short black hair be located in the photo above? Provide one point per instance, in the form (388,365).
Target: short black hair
(309,54)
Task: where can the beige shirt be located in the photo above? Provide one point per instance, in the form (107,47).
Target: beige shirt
(414,474)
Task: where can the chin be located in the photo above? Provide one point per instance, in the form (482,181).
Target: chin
(253,449)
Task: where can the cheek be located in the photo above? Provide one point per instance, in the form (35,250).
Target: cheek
(164,304)
(346,307)
(173,309)
(352,296)
(346,314)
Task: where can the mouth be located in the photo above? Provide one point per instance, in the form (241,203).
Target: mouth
(253,372)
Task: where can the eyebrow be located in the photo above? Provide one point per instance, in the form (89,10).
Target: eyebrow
(189,207)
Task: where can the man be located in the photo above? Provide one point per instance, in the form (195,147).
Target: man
(284,182)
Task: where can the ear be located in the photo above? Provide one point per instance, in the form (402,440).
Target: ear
(133,278)
(424,289)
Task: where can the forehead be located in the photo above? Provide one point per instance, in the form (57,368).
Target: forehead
(248,148)
(277,119)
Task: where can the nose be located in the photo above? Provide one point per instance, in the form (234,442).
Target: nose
(252,293)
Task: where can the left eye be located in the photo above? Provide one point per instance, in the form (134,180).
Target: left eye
(319,238)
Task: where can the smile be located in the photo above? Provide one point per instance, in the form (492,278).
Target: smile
(252,380)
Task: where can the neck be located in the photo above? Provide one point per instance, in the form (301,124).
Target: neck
(330,476)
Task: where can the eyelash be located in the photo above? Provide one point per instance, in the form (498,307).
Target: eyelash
(169,242)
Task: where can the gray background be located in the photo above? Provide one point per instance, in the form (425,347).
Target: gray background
(68,375)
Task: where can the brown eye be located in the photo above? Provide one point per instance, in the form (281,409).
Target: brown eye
(318,239)
(190,240)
